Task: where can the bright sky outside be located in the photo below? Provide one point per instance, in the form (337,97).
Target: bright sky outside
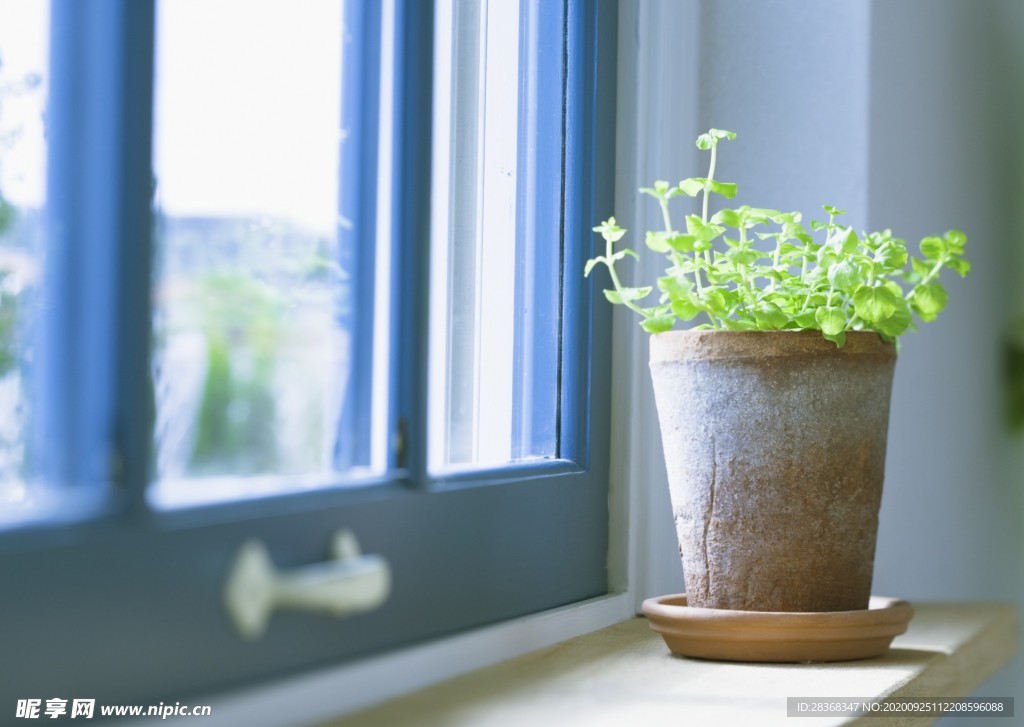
(24,45)
(247,110)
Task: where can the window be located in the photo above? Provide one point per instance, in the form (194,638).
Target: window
(257,328)
(23,68)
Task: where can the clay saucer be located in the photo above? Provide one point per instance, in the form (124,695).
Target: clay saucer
(771,636)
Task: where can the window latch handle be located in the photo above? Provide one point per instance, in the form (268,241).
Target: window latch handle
(348,584)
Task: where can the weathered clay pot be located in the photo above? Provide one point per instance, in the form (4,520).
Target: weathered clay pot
(775,448)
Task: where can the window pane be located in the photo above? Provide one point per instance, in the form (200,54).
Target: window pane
(253,309)
(24,46)
(478,276)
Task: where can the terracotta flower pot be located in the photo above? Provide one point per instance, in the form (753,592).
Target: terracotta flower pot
(775,448)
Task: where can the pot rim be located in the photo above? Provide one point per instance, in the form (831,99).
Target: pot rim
(695,345)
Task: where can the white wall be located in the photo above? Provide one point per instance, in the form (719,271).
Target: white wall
(901,112)
(943,97)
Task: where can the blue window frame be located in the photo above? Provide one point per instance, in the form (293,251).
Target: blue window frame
(144,587)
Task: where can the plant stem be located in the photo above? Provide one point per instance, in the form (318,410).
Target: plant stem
(744,269)
(934,271)
(704,209)
(707,182)
(775,261)
(615,279)
(927,278)
(664,214)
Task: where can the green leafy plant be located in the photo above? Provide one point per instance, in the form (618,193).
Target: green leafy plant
(756,269)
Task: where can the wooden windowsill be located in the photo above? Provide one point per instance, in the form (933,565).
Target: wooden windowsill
(625,675)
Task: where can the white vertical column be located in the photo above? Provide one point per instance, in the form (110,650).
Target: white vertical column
(497,206)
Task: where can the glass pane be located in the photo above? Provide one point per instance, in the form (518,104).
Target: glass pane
(253,304)
(478,391)
(24,48)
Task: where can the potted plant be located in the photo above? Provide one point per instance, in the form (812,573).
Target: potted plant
(774,406)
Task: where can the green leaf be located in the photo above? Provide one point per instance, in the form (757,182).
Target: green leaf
(897,323)
(676,286)
(657,241)
(658,324)
(659,191)
(624,252)
(919,269)
(817,274)
(807,319)
(743,257)
(843,240)
(590,265)
(831,320)
(770,317)
(759,214)
(833,211)
(693,186)
(894,287)
(701,230)
(733,324)
(782,218)
(712,137)
(714,302)
(627,295)
(816,226)
(844,275)
(682,243)
(929,300)
(726,189)
(933,247)
(874,304)
(892,255)
(610,231)
(961,266)
(839,339)
(685,308)
(956,240)
(728,217)
(826,256)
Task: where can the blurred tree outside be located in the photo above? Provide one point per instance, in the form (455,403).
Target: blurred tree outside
(246,346)
(19,233)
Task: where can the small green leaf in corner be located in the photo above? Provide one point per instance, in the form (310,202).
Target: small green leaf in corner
(692,187)
(610,231)
(929,300)
(685,309)
(658,324)
(933,247)
(726,189)
(770,317)
(956,241)
(960,265)
(831,320)
(874,304)
(839,339)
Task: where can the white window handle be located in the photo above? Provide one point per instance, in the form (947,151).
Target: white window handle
(350,583)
